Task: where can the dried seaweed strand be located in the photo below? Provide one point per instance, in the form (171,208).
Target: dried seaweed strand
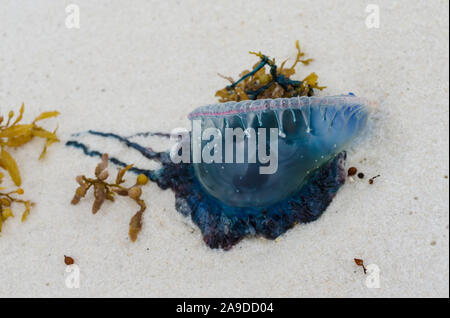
(104,190)
(14,134)
(274,82)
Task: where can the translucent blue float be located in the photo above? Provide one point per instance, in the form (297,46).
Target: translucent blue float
(312,130)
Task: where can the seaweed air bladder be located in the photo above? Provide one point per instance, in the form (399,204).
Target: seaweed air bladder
(287,158)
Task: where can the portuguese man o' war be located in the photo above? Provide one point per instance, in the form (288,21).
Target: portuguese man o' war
(229,201)
(269,156)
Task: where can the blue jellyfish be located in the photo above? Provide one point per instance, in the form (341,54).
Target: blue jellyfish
(292,176)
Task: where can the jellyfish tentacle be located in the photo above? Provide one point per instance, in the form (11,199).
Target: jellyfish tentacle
(149,133)
(145,151)
(151,174)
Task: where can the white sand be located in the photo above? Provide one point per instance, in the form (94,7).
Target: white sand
(144,65)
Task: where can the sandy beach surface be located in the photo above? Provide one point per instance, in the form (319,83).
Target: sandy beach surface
(144,65)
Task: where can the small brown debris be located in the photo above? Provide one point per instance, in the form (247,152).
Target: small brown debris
(352,171)
(68,260)
(433,243)
(371,179)
(360,262)
(361,175)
